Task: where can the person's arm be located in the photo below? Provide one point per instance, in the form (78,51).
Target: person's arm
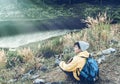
(69,60)
(70,66)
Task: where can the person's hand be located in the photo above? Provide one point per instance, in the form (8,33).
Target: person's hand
(57,61)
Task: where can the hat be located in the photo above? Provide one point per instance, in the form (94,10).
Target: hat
(83,45)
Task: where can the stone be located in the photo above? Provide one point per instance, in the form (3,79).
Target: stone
(39,81)
(31,71)
(12,49)
(12,80)
(48,83)
(107,51)
(101,59)
(114,41)
(59,82)
(34,77)
(43,68)
(25,76)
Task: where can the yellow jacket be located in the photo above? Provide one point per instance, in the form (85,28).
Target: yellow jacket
(75,65)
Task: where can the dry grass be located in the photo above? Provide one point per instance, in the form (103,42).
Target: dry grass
(27,54)
(99,34)
(3,58)
(30,60)
(20,69)
(101,18)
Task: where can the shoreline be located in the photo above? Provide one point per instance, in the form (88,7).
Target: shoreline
(8,42)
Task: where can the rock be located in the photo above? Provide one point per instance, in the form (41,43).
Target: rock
(12,80)
(39,81)
(12,49)
(34,77)
(102,58)
(60,56)
(107,51)
(54,83)
(43,68)
(28,74)
(59,82)
(47,83)
(57,61)
(25,76)
(31,71)
(114,41)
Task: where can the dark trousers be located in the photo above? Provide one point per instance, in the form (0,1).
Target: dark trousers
(82,79)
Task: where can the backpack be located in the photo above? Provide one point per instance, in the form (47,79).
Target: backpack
(90,70)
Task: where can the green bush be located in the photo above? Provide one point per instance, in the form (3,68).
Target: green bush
(13,59)
(51,47)
(47,52)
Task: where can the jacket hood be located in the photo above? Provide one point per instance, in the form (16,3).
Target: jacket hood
(84,54)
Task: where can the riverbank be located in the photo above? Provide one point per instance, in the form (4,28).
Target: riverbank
(24,39)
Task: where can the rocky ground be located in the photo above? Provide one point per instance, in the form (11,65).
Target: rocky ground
(110,70)
(43,70)
(109,73)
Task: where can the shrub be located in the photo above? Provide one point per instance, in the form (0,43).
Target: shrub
(51,47)
(13,59)
(99,33)
(27,54)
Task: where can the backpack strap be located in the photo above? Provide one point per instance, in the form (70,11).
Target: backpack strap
(86,57)
(85,74)
(83,57)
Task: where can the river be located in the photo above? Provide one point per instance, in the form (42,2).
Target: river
(22,39)
(17,33)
